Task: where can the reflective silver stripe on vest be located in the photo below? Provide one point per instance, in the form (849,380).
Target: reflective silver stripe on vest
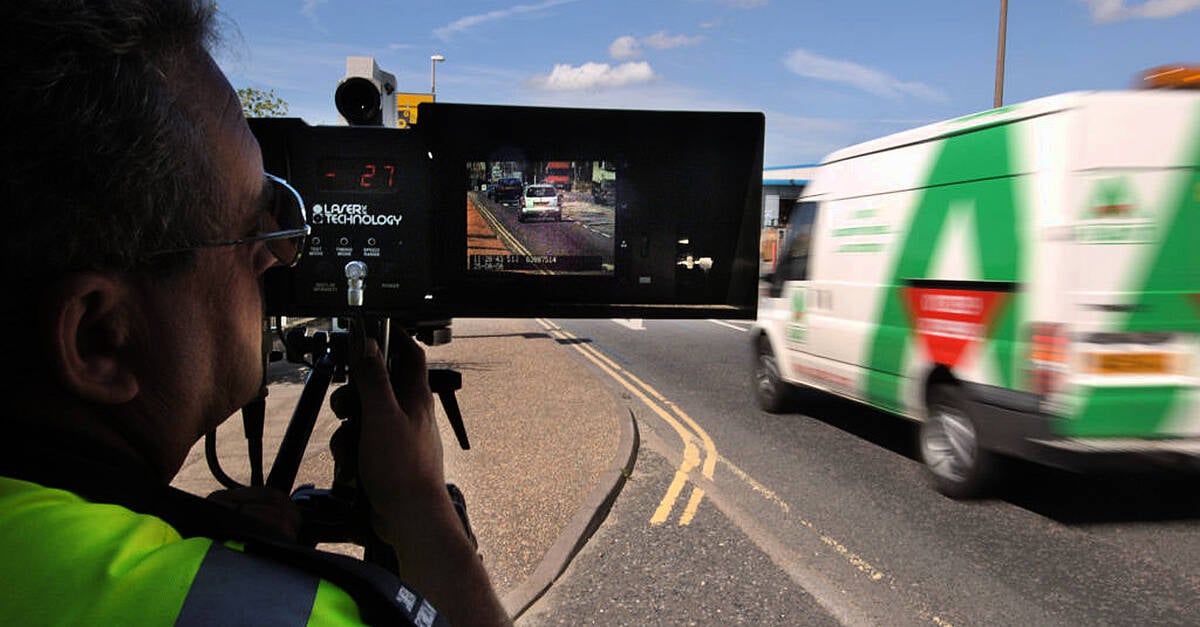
(233,588)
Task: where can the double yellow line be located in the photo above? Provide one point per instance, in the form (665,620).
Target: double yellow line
(688,430)
(691,433)
(510,241)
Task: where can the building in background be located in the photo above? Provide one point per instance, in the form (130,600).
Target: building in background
(781,188)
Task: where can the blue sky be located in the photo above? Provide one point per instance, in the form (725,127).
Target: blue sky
(827,73)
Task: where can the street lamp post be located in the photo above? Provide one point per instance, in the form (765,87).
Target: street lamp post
(433,61)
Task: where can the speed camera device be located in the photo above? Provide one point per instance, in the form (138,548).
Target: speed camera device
(523,211)
(367,94)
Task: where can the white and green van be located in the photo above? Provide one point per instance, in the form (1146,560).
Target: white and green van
(1024,281)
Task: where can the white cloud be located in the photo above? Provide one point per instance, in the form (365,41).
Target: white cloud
(629,47)
(625,47)
(464,24)
(810,65)
(662,41)
(658,94)
(794,139)
(566,77)
(308,9)
(1114,10)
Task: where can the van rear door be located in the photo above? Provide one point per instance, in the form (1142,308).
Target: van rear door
(1135,266)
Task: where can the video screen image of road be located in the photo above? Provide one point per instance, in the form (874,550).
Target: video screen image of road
(541,217)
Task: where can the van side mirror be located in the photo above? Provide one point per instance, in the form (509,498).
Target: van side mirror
(774,286)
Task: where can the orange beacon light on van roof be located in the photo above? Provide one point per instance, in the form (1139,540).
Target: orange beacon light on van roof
(1171,77)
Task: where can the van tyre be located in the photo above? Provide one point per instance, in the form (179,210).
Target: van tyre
(949,441)
(773,393)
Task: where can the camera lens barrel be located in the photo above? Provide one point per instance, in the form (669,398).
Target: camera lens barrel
(358,99)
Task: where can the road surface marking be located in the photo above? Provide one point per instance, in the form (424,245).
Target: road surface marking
(710,449)
(861,564)
(691,458)
(766,492)
(635,324)
(505,235)
(729,325)
(597,231)
(659,405)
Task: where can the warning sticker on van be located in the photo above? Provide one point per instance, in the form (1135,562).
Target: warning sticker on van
(949,320)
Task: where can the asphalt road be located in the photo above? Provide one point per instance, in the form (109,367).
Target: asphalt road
(823,515)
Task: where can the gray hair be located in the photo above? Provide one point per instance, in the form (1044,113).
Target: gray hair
(100,163)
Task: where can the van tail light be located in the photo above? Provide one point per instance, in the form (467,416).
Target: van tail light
(1047,357)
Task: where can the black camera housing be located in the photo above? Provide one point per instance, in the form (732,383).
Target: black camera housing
(682,213)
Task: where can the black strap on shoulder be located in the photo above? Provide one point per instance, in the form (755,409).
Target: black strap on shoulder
(381,597)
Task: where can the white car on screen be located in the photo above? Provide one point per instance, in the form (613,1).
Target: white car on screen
(540,201)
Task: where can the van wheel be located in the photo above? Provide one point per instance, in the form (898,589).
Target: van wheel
(949,442)
(774,394)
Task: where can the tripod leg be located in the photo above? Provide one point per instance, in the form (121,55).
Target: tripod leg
(304,418)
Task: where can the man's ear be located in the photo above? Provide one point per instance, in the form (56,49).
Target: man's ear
(91,328)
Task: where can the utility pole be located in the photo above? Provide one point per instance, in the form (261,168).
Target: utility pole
(999,99)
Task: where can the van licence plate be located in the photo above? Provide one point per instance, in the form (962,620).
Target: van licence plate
(1129,363)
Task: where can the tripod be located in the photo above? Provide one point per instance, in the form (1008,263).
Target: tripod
(340,513)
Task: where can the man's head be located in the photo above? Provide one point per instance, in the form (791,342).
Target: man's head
(122,140)
(102,162)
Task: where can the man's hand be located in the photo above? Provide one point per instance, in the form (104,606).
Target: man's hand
(400,467)
(400,448)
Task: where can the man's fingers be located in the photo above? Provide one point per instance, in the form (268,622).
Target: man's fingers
(345,402)
(404,391)
(410,378)
(371,378)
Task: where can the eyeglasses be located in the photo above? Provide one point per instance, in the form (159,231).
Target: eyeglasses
(282,224)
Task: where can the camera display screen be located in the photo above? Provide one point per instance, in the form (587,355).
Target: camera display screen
(549,217)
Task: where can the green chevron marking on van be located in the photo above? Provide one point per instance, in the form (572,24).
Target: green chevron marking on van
(975,167)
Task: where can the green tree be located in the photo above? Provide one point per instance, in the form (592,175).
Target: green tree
(261,103)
